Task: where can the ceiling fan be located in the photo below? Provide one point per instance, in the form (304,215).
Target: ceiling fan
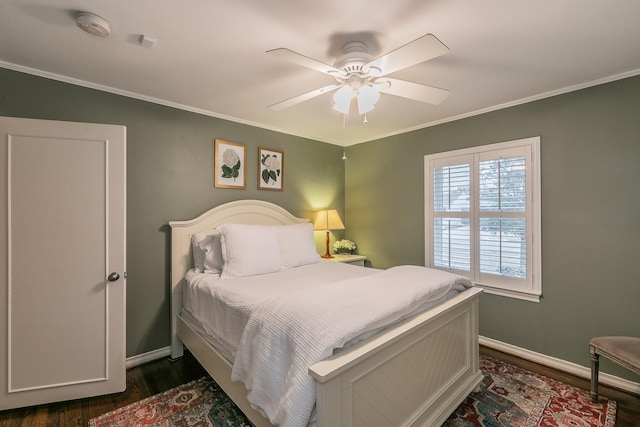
(361,77)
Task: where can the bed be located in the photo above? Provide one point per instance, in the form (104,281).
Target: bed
(415,372)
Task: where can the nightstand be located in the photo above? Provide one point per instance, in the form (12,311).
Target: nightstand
(349,259)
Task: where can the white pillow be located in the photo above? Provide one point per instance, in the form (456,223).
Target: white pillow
(249,250)
(297,245)
(207,253)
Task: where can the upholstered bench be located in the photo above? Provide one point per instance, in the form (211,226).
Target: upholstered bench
(624,351)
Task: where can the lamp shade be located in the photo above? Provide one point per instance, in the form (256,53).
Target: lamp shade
(342,99)
(367,98)
(366,95)
(328,220)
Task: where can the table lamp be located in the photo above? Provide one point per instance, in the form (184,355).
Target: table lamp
(328,220)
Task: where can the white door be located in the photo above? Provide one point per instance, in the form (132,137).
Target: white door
(62,261)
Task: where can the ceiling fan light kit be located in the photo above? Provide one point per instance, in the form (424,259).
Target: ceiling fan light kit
(367,97)
(365,94)
(342,99)
(359,75)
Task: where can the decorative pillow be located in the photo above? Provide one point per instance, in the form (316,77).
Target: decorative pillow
(297,245)
(249,250)
(207,253)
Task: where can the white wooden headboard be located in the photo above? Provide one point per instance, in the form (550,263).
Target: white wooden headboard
(238,212)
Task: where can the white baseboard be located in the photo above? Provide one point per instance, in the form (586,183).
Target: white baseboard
(140,359)
(561,365)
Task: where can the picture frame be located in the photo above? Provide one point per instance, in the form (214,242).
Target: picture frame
(270,169)
(230,165)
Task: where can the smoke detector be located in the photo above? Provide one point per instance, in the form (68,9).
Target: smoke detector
(93,24)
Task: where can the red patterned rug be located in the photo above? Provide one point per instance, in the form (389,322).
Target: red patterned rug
(198,403)
(509,396)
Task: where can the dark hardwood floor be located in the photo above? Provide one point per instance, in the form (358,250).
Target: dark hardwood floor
(161,375)
(142,381)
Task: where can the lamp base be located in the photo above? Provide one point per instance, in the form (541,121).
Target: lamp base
(327,254)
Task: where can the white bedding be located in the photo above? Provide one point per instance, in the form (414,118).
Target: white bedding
(221,308)
(277,325)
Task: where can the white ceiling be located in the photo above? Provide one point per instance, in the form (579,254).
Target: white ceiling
(210,54)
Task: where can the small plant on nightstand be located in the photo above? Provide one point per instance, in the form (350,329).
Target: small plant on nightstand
(344,246)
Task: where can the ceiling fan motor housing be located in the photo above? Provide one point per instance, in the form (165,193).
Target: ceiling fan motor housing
(354,56)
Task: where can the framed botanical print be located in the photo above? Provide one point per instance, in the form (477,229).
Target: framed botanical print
(230,160)
(270,169)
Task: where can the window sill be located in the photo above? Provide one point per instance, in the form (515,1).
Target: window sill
(526,296)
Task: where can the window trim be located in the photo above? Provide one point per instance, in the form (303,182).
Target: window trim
(532,146)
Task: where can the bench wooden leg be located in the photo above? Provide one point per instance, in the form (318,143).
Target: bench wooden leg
(595,365)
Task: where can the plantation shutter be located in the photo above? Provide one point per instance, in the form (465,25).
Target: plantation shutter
(502,221)
(452,216)
(482,211)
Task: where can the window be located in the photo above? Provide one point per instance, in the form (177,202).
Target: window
(482,216)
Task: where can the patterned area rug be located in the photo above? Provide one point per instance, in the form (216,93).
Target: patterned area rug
(509,396)
(198,403)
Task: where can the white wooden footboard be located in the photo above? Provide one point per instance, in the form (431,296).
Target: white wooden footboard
(412,375)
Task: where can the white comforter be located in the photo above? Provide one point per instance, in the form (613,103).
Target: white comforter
(221,308)
(286,335)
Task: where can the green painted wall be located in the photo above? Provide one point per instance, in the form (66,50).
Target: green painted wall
(590,149)
(170,177)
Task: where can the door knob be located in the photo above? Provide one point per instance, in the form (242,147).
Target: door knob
(113,277)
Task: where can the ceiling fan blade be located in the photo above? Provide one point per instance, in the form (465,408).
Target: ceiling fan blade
(301,98)
(417,91)
(420,50)
(305,61)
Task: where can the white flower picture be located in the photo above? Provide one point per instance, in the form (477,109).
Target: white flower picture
(271,169)
(230,160)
